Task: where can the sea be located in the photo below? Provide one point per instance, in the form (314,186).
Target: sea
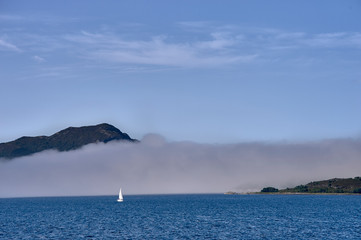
(188,216)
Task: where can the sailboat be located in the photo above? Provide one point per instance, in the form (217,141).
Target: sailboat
(120,199)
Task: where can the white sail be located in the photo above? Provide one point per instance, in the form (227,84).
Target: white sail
(120,199)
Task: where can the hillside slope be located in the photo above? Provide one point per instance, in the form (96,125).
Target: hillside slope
(65,140)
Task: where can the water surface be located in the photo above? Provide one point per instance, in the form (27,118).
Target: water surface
(208,216)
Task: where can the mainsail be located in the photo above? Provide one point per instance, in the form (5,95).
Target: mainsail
(120,199)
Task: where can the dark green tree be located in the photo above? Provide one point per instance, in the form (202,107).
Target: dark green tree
(269,189)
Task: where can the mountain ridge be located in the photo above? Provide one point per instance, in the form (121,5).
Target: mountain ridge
(68,139)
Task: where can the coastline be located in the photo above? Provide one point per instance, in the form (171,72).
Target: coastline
(288,193)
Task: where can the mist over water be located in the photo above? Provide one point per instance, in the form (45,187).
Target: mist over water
(158,166)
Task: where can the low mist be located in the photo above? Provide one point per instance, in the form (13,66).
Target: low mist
(158,166)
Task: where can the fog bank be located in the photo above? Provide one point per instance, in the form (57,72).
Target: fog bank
(158,166)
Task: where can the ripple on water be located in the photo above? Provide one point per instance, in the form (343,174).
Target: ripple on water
(182,217)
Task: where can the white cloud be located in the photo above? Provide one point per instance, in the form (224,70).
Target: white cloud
(159,51)
(291,35)
(48,19)
(6,17)
(194,24)
(221,40)
(211,46)
(334,40)
(278,38)
(38,59)
(4,45)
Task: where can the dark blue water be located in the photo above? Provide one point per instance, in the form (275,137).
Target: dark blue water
(182,217)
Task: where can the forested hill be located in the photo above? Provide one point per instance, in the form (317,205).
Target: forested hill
(65,140)
(335,185)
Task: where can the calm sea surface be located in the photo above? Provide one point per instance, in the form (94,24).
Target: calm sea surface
(182,217)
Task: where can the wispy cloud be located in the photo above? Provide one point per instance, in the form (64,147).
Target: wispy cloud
(334,40)
(279,39)
(220,41)
(194,24)
(198,26)
(7,17)
(195,45)
(41,19)
(6,46)
(38,59)
(159,51)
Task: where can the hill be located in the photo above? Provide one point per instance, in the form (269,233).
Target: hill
(65,140)
(335,185)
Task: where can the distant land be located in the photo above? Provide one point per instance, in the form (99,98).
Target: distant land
(335,185)
(331,186)
(65,140)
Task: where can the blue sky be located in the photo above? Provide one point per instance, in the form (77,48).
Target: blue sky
(205,71)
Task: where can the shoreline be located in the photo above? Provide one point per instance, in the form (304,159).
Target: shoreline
(289,193)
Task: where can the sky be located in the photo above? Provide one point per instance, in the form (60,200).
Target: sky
(224,95)
(202,71)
